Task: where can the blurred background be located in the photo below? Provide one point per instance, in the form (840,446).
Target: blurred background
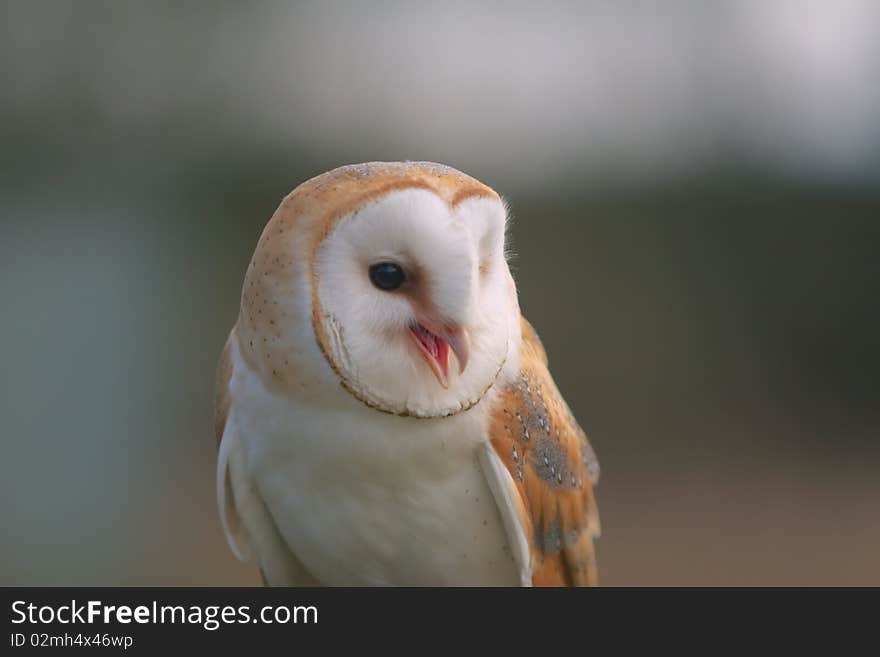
(696,203)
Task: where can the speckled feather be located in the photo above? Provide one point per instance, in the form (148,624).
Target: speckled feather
(554,469)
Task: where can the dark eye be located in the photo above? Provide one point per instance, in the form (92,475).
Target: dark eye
(387,276)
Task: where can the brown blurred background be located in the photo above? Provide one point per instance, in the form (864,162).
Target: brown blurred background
(696,205)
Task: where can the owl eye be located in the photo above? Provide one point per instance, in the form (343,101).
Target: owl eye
(387,276)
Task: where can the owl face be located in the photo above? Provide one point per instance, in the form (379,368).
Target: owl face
(413,301)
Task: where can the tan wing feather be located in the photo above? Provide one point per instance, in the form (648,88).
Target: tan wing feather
(221,389)
(554,469)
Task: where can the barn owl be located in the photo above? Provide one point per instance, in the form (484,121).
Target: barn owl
(384,413)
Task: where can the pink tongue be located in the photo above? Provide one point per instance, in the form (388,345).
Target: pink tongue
(436,347)
(439,350)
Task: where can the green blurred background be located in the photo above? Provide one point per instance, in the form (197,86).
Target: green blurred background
(695,199)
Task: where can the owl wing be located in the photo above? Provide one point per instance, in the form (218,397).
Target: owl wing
(542,470)
(247,523)
(228,459)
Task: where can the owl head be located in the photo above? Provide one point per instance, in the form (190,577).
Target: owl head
(389,279)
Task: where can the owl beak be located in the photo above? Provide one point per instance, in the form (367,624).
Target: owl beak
(460,344)
(434,341)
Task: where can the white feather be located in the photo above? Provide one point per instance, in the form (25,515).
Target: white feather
(508,501)
(234,530)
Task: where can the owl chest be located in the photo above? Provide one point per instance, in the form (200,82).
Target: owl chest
(363,498)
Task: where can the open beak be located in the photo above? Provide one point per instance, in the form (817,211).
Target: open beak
(435,340)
